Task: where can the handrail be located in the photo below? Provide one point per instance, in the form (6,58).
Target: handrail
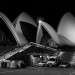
(24,47)
(11,53)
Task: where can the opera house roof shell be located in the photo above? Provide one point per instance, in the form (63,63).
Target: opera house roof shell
(24,29)
(66,29)
(15,27)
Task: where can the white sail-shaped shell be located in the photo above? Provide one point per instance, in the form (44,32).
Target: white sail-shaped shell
(66,29)
(24,17)
(50,31)
(18,38)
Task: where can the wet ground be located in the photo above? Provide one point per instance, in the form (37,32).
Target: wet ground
(38,71)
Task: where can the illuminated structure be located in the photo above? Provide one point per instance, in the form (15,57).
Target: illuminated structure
(6,26)
(24,30)
(66,29)
(46,33)
(65,36)
(26,26)
(66,33)
(11,33)
(15,28)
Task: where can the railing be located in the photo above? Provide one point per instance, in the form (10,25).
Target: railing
(42,46)
(16,50)
(22,48)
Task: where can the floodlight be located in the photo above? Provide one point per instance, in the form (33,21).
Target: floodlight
(40,21)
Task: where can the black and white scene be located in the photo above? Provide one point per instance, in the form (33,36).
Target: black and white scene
(37,38)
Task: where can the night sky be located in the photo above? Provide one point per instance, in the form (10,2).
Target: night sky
(50,11)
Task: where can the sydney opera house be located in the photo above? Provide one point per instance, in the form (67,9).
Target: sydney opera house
(15,36)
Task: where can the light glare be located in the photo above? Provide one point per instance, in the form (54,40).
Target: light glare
(40,21)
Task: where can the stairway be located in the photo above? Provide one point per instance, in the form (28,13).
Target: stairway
(13,52)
